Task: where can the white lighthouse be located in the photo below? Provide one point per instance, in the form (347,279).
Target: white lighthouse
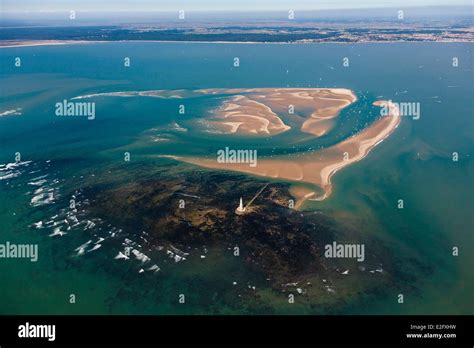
(240,209)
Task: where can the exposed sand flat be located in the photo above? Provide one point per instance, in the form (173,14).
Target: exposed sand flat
(25,43)
(315,168)
(246,116)
(329,105)
(314,108)
(163,94)
(262,111)
(301,194)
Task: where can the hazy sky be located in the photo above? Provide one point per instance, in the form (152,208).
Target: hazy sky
(209,5)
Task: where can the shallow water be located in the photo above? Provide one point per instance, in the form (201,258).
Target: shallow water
(414,164)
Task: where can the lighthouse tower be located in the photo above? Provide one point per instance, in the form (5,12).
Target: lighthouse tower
(240,209)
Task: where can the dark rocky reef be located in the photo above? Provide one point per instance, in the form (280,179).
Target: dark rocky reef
(274,239)
(281,249)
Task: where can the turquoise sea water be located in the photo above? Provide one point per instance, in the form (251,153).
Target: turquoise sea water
(414,164)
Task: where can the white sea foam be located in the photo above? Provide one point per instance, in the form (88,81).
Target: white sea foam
(9,176)
(176,254)
(121,255)
(12,112)
(82,248)
(38,183)
(57,232)
(140,256)
(95,247)
(38,224)
(175,126)
(43,198)
(154,268)
(89,225)
(12,170)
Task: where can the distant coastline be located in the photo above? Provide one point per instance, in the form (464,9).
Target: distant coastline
(32,43)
